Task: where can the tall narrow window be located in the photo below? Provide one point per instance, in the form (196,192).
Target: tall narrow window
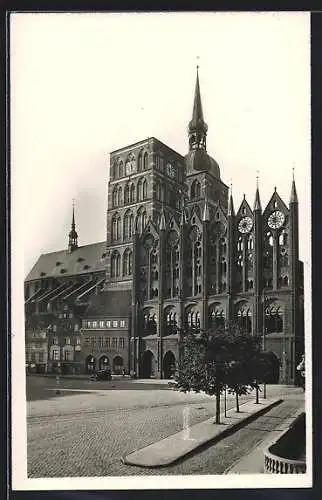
(144,189)
(145,161)
(115,265)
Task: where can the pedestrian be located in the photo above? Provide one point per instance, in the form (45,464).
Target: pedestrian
(123,372)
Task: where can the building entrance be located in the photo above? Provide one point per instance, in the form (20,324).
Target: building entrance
(147,364)
(169,364)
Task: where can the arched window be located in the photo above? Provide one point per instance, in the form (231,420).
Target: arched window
(244,318)
(216,317)
(128,225)
(193,319)
(132,193)
(144,189)
(145,161)
(121,169)
(119,196)
(273,319)
(127,194)
(116,227)
(270,239)
(240,244)
(116,170)
(141,220)
(115,197)
(171,323)
(140,162)
(249,284)
(127,262)
(195,190)
(112,172)
(139,190)
(115,264)
(283,238)
(250,243)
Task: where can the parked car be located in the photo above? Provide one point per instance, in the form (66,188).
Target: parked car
(102,375)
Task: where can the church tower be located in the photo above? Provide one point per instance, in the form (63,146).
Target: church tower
(203,172)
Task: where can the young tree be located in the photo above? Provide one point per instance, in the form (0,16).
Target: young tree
(212,360)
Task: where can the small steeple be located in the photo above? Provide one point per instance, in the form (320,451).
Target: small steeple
(293,198)
(231,210)
(205,215)
(163,225)
(73,236)
(257,203)
(197,126)
(183,216)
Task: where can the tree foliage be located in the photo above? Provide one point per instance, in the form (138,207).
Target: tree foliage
(220,358)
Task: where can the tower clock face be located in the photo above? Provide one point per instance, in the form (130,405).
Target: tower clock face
(276,220)
(245,225)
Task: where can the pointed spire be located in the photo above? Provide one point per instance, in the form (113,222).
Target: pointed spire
(163,225)
(257,203)
(231,210)
(197,126)
(205,215)
(293,198)
(197,114)
(73,218)
(73,236)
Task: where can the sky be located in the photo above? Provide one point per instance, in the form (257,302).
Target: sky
(83,85)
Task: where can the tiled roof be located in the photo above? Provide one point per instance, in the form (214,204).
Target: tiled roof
(115,304)
(84,259)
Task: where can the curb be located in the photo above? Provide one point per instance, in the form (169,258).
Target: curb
(206,442)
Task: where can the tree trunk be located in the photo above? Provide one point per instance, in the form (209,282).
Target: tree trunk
(257,396)
(237,402)
(218,405)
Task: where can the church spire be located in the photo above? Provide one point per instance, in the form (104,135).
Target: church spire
(293,198)
(163,225)
(257,203)
(205,215)
(73,236)
(231,210)
(197,126)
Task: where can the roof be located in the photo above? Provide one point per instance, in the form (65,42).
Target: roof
(116,303)
(82,260)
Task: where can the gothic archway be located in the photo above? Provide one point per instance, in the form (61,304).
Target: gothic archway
(117,365)
(169,364)
(103,363)
(90,364)
(147,364)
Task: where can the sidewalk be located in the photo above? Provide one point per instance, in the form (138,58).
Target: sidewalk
(253,462)
(172,448)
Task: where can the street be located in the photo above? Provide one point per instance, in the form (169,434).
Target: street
(90,426)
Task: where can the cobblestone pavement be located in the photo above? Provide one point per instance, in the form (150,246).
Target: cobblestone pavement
(88,434)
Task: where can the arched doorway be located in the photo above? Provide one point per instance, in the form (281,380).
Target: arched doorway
(169,364)
(117,365)
(90,364)
(103,363)
(147,364)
